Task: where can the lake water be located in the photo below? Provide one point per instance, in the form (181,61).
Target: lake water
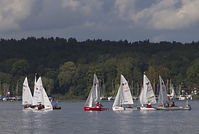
(71,119)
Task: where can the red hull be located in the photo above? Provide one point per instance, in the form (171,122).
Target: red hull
(94,109)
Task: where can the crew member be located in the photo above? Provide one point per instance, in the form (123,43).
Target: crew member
(98,105)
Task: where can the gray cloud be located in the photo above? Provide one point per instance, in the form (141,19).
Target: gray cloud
(12,12)
(106,19)
(168,14)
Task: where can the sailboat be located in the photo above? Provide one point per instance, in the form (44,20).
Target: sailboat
(123,99)
(41,100)
(93,100)
(147,96)
(163,99)
(27,99)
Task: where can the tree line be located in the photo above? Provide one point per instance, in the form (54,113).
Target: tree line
(67,65)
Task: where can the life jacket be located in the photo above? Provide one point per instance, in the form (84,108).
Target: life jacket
(148,106)
(99,105)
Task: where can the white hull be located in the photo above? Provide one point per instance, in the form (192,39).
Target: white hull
(182,98)
(174,108)
(147,109)
(123,108)
(118,108)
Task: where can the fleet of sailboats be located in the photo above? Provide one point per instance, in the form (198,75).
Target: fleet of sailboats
(39,101)
(124,100)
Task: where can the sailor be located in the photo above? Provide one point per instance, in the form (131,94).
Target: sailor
(148,105)
(40,106)
(26,106)
(173,104)
(98,105)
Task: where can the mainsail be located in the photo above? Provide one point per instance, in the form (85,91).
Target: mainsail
(36,94)
(162,98)
(141,97)
(124,94)
(172,94)
(26,94)
(94,95)
(37,98)
(147,95)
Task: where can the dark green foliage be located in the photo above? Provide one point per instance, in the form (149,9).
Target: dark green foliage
(67,66)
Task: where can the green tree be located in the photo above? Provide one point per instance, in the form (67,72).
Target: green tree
(48,84)
(193,73)
(5,82)
(20,67)
(65,76)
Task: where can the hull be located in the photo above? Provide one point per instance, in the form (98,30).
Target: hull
(118,108)
(173,108)
(29,108)
(147,109)
(56,108)
(41,109)
(123,108)
(94,109)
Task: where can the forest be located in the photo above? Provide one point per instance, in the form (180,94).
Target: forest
(67,65)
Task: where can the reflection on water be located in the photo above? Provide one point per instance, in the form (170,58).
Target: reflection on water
(33,122)
(71,119)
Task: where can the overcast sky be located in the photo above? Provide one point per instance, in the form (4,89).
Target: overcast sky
(133,20)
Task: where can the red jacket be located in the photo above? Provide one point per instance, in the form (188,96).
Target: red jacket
(148,106)
(98,105)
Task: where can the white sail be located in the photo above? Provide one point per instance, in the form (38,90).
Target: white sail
(141,97)
(26,94)
(38,98)
(172,91)
(45,100)
(127,97)
(147,95)
(35,93)
(162,98)
(118,98)
(124,94)
(89,101)
(94,95)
